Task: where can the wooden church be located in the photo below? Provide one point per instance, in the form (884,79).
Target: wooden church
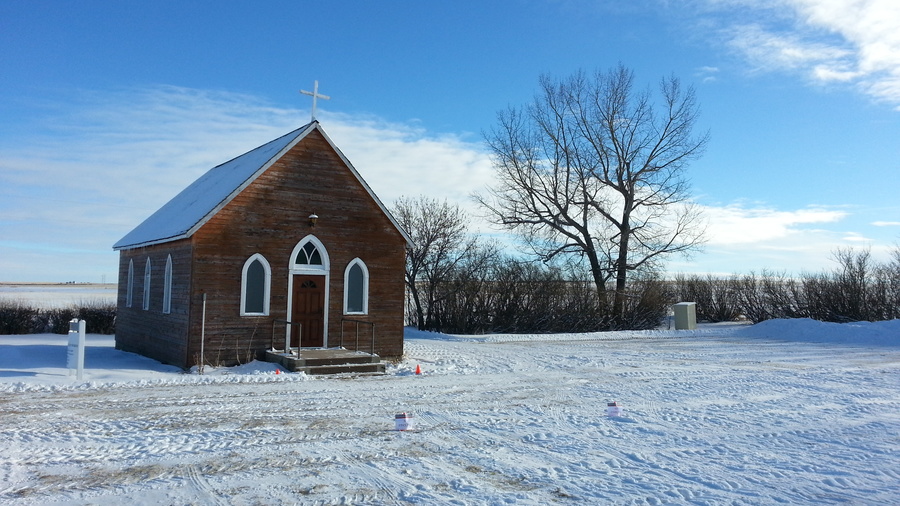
(283,246)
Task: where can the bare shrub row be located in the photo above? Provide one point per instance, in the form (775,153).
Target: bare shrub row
(17,317)
(512,296)
(859,289)
(499,294)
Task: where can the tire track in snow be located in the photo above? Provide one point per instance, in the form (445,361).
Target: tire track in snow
(699,427)
(206,493)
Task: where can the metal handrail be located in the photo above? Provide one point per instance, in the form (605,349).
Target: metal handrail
(357,322)
(287,340)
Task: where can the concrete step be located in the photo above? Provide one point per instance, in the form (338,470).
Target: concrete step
(346,368)
(327,361)
(336,356)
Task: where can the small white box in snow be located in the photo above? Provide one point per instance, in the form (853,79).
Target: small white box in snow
(613,409)
(403,421)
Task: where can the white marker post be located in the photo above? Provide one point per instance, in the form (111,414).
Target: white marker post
(75,357)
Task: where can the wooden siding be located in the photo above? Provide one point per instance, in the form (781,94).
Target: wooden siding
(270,217)
(151,332)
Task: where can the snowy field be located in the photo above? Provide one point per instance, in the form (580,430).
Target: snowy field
(790,412)
(49,295)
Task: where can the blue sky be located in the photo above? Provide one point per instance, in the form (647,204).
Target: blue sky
(110,108)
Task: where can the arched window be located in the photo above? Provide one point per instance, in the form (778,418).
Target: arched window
(147,285)
(129,295)
(167,287)
(356,288)
(309,255)
(256,279)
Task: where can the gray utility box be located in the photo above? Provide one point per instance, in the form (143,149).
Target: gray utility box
(685,316)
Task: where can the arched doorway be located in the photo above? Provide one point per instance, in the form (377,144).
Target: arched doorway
(308,294)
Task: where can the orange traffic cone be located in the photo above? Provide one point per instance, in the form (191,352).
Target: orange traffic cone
(277,371)
(418,369)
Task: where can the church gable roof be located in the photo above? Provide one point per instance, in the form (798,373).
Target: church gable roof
(195,205)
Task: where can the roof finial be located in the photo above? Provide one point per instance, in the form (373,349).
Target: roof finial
(315,94)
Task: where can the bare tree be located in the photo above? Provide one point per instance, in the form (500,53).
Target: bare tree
(596,169)
(893,269)
(440,244)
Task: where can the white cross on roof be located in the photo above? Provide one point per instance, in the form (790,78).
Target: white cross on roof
(315,94)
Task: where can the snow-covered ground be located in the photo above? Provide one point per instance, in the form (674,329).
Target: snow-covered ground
(48,295)
(796,412)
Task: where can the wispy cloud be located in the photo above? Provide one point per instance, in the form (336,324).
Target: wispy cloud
(738,225)
(854,237)
(101,165)
(746,237)
(92,169)
(769,50)
(828,41)
(707,74)
(399,160)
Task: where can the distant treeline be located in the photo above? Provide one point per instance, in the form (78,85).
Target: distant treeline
(504,295)
(858,290)
(17,317)
(509,296)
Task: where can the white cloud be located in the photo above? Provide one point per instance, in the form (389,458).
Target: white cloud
(707,74)
(109,160)
(886,223)
(743,238)
(736,225)
(852,41)
(855,237)
(826,73)
(769,50)
(398,160)
(67,194)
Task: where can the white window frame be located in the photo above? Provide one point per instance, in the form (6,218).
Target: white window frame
(146,287)
(129,295)
(314,269)
(267,270)
(365,287)
(167,287)
(324,269)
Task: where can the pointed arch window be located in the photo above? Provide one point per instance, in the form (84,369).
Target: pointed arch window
(129,295)
(146,287)
(356,288)
(309,255)
(167,287)
(256,280)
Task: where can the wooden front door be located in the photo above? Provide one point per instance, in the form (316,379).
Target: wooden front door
(308,311)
